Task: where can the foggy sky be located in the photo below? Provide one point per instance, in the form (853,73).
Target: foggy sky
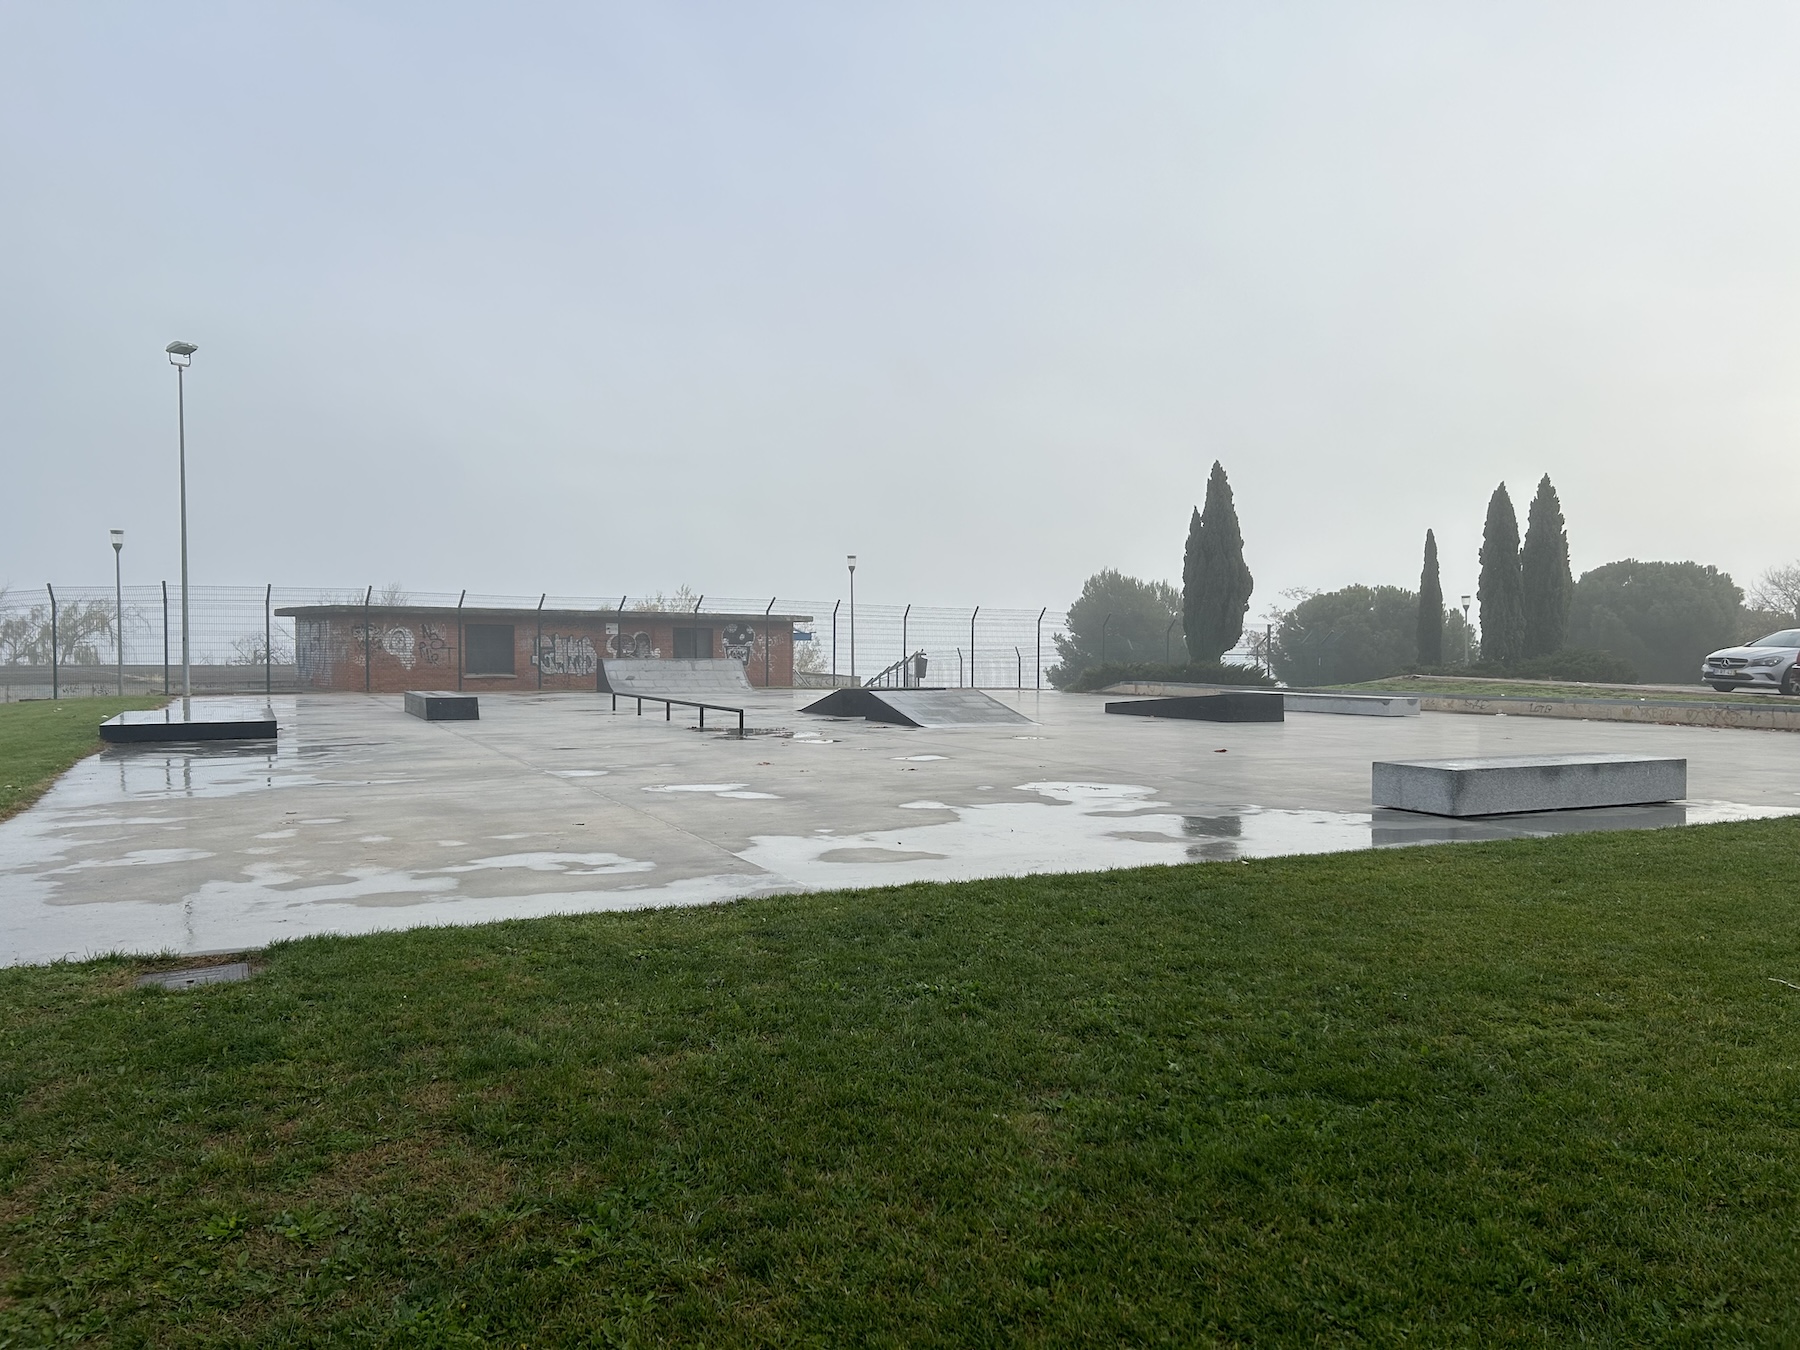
(594,298)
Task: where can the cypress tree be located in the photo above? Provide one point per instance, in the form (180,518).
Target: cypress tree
(1544,574)
(1215,583)
(1500,591)
(1431,608)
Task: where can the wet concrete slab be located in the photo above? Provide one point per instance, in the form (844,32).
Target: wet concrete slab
(360,817)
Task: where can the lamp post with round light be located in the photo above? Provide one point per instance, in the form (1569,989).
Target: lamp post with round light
(852,558)
(180,355)
(1468,632)
(118,543)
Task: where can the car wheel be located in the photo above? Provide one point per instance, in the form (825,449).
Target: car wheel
(1726,688)
(1790,682)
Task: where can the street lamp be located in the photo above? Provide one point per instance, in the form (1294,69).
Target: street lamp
(852,558)
(180,355)
(1468,646)
(118,543)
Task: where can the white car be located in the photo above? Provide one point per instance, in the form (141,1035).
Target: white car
(1767,663)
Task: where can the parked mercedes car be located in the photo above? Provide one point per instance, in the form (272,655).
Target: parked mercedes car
(1767,663)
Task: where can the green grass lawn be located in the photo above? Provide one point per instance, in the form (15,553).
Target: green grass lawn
(41,739)
(1527,1093)
(1532,689)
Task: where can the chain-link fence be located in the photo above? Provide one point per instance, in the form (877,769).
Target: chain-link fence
(85,640)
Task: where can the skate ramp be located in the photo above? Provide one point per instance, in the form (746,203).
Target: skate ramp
(919,707)
(698,679)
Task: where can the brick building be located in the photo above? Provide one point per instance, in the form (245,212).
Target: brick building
(392,648)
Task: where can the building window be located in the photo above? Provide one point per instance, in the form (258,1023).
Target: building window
(693,644)
(489,649)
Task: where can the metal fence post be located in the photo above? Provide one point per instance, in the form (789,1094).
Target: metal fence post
(905,650)
(973,682)
(55,667)
(459,638)
(1167,633)
(1038,657)
(537,652)
(834,610)
(268,640)
(1103,628)
(367,636)
(1018,671)
(165,587)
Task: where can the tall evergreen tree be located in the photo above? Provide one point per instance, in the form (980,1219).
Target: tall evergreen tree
(1215,583)
(1500,591)
(1544,574)
(1431,608)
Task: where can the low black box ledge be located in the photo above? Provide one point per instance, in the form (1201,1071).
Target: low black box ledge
(440,706)
(1230,706)
(193,719)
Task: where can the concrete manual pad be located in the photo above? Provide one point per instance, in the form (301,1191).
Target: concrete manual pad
(1353,705)
(354,820)
(441,706)
(1500,785)
(193,719)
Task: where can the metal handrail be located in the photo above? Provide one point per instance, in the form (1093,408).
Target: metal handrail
(669,704)
(903,674)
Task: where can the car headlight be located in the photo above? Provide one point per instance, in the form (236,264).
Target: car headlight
(1765,660)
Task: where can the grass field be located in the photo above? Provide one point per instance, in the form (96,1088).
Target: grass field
(1524,1093)
(40,740)
(1534,689)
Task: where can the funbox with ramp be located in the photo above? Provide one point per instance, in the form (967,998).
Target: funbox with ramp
(919,707)
(697,679)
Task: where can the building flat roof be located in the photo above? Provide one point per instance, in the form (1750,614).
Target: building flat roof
(527,611)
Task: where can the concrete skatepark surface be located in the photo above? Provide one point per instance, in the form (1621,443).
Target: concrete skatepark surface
(362,818)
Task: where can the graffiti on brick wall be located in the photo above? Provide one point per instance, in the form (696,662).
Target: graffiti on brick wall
(633,646)
(433,650)
(312,654)
(559,654)
(740,641)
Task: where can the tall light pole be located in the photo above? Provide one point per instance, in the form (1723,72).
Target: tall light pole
(852,558)
(1468,644)
(180,355)
(118,543)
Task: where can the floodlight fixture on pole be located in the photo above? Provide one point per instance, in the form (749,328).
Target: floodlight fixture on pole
(852,560)
(181,355)
(118,543)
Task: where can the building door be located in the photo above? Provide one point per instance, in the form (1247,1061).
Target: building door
(693,644)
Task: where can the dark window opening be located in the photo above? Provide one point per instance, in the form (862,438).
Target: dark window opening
(489,649)
(693,644)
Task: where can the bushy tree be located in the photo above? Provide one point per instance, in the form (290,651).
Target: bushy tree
(1431,608)
(1777,591)
(1215,582)
(1499,591)
(1141,612)
(1340,637)
(1544,576)
(1661,617)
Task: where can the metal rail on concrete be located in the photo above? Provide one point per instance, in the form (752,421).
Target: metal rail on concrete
(670,704)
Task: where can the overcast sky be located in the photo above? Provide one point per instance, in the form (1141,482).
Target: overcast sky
(600,298)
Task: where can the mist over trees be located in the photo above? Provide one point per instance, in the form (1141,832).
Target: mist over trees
(1430,635)
(1139,632)
(1354,634)
(1215,581)
(1662,617)
(1499,590)
(1545,585)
